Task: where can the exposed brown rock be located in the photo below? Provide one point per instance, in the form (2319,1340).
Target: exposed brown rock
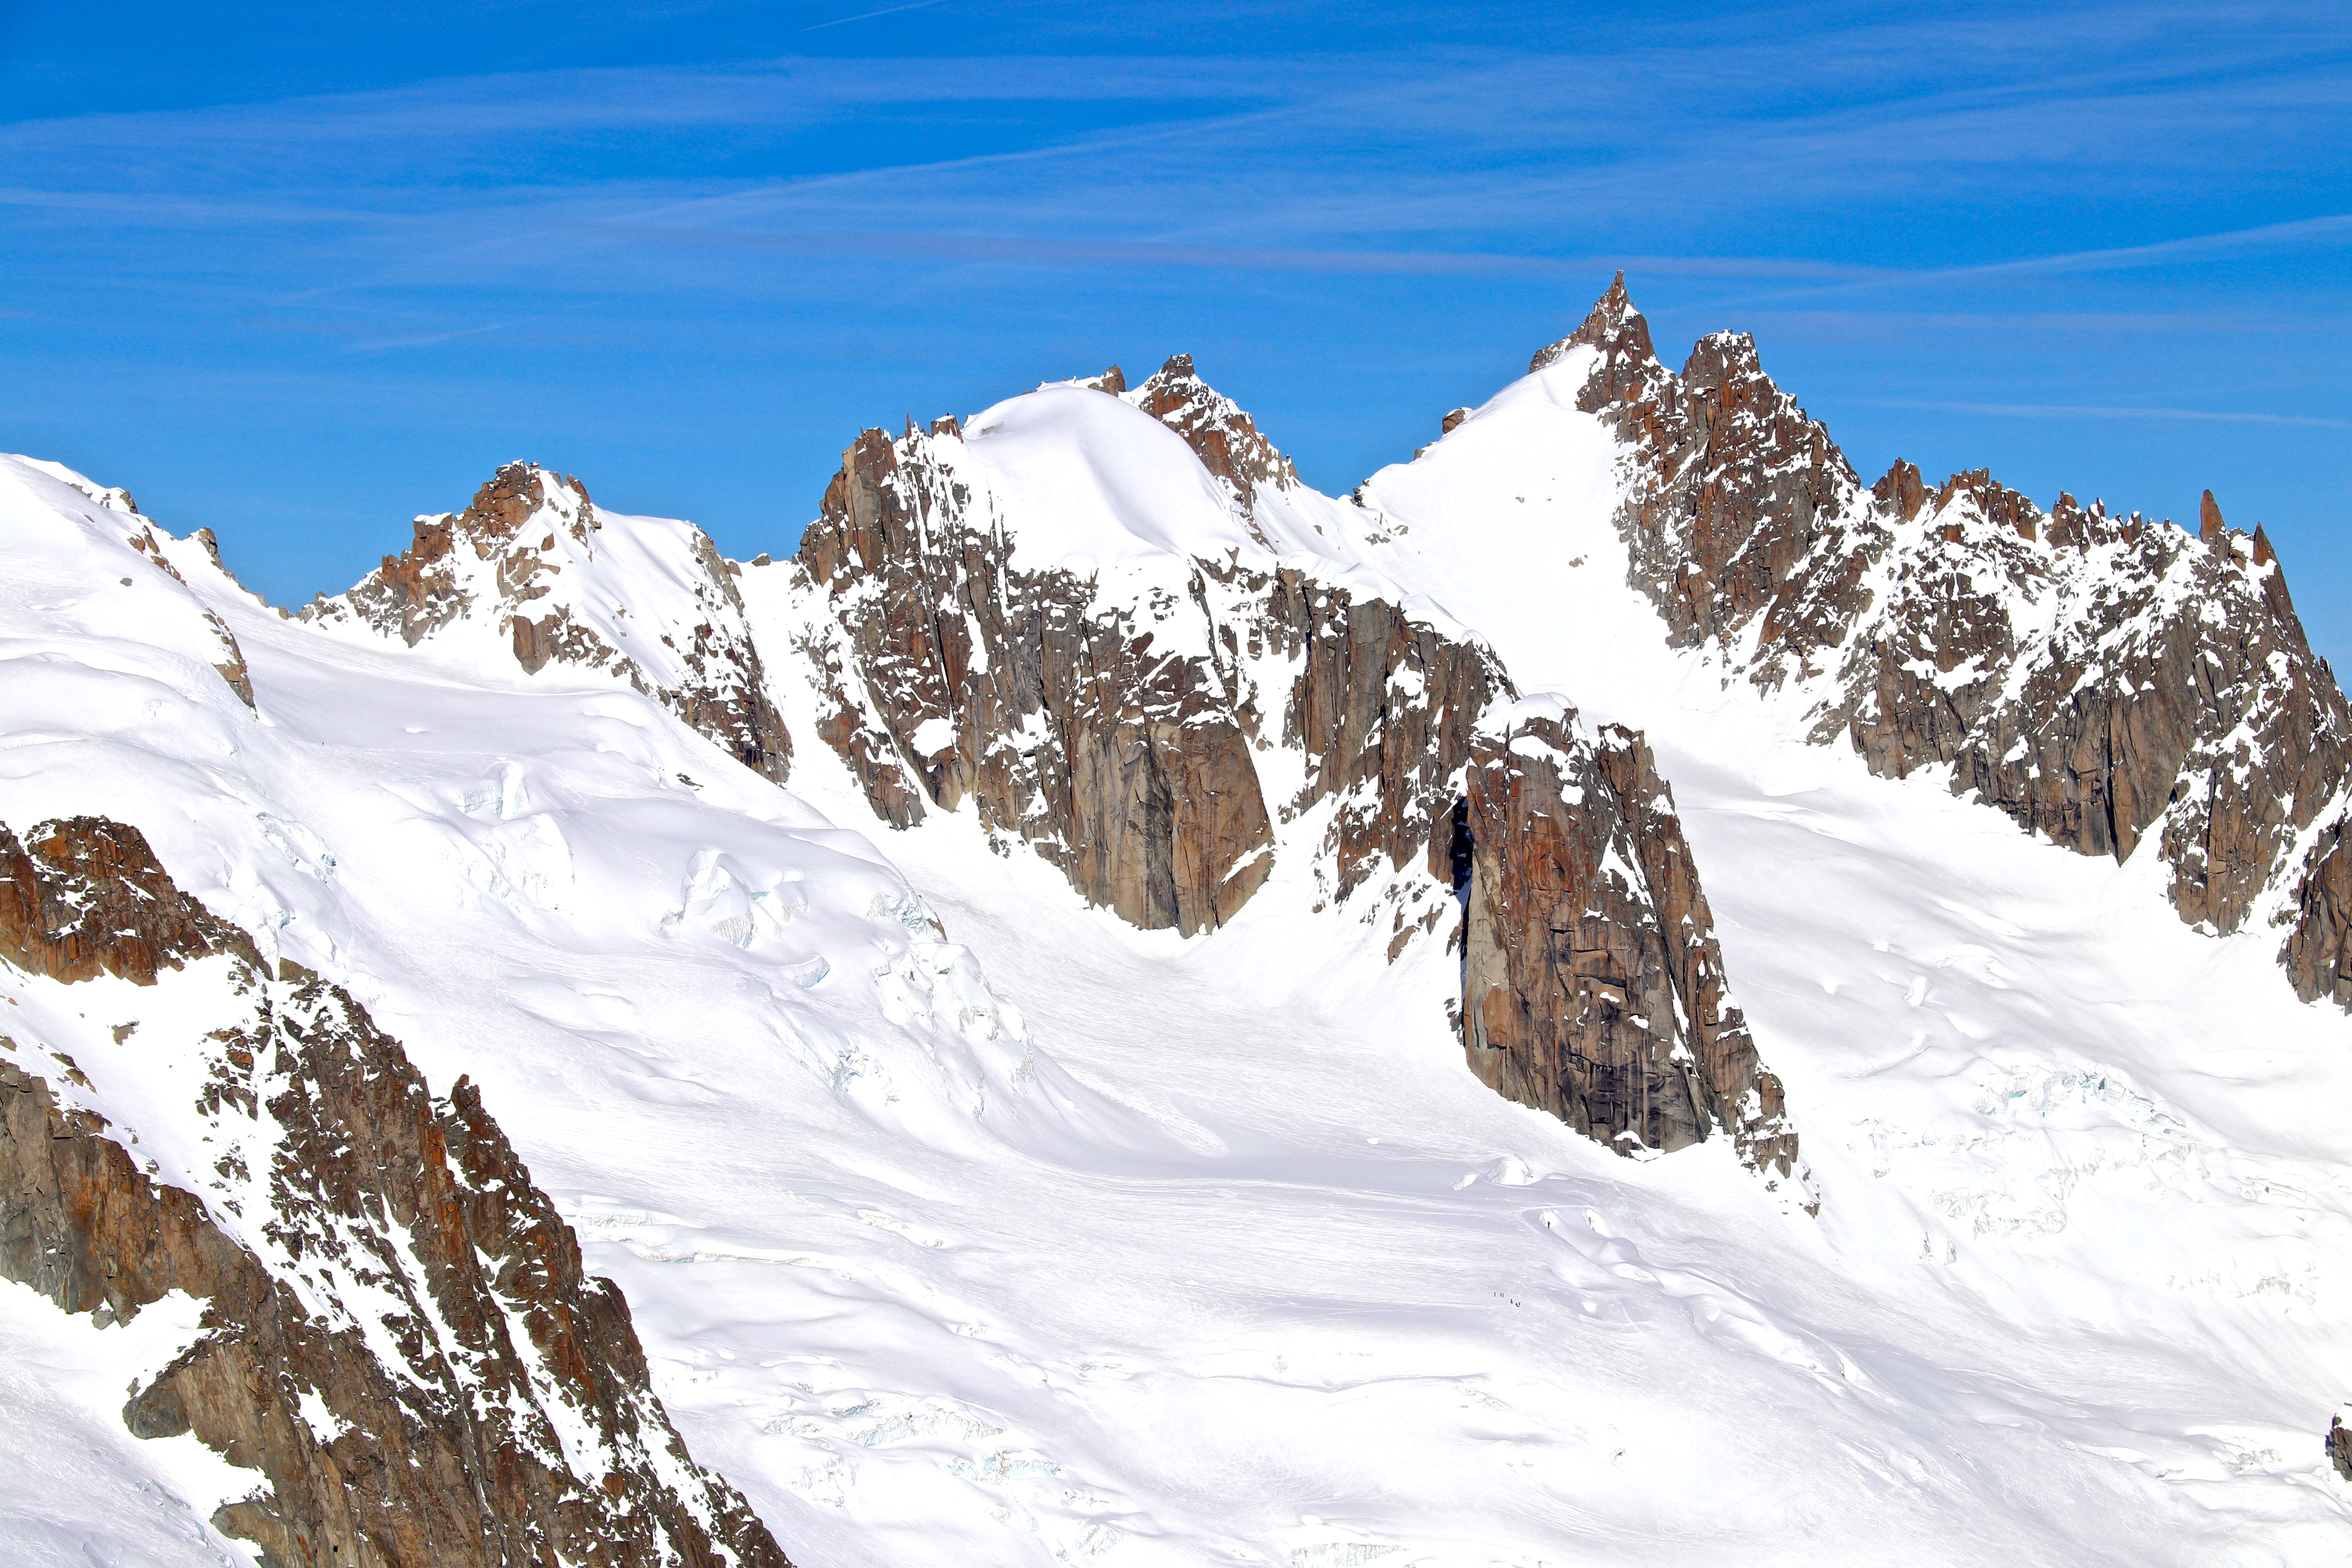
(1593,984)
(232,669)
(1383,707)
(2339,1445)
(2094,677)
(439,1449)
(1226,439)
(510,529)
(1131,770)
(2319,949)
(85,896)
(1015,690)
(1902,492)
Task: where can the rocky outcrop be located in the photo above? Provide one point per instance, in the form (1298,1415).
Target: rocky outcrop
(230,665)
(397,1333)
(1381,708)
(2318,948)
(1121,762)
(2100,679)
(533,563)
(1593,984)
(2339,1445)
(1226,439)
(1733,484)
(84,897)
(1119,737)
(1126,727)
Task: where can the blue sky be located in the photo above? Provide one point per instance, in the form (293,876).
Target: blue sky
(298,272)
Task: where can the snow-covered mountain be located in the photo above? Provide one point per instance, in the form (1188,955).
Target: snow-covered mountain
(1887,932)
(530,563)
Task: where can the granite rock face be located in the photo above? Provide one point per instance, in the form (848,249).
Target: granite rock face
(397,1335)
(533,563)
(84,897)
(2319,949)
(1732,485)
(1121,736)
(958,676)
(1593,983)
(2103,679)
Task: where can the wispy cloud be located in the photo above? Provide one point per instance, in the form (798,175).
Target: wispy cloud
(1367,233)
(2175,323)
(870,16)
(1014,250)
(2330,230)
(427,340)
(2078,411)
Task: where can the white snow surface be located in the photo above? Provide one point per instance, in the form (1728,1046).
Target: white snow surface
(1047,1240)
(80,1488)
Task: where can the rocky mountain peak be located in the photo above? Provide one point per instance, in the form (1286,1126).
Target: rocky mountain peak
(1732,483)
(1995,503)
(1613,326)
(1226,438)
(2209,526)
(1725,365)
(1902,492)
(518,493)
(533,571)
(2102,678)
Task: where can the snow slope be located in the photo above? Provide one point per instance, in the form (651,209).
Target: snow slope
(1052,1240)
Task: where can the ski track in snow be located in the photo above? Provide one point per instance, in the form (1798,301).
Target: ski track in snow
(1148,1251)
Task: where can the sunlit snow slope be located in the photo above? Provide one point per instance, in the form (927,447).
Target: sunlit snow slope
(1213,1251)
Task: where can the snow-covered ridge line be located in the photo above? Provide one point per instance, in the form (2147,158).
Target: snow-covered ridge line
(1269,1276)
(392,821)
(1120,629)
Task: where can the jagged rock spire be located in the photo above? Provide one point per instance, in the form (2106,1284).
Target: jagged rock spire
(1615,327)
(1903,490)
